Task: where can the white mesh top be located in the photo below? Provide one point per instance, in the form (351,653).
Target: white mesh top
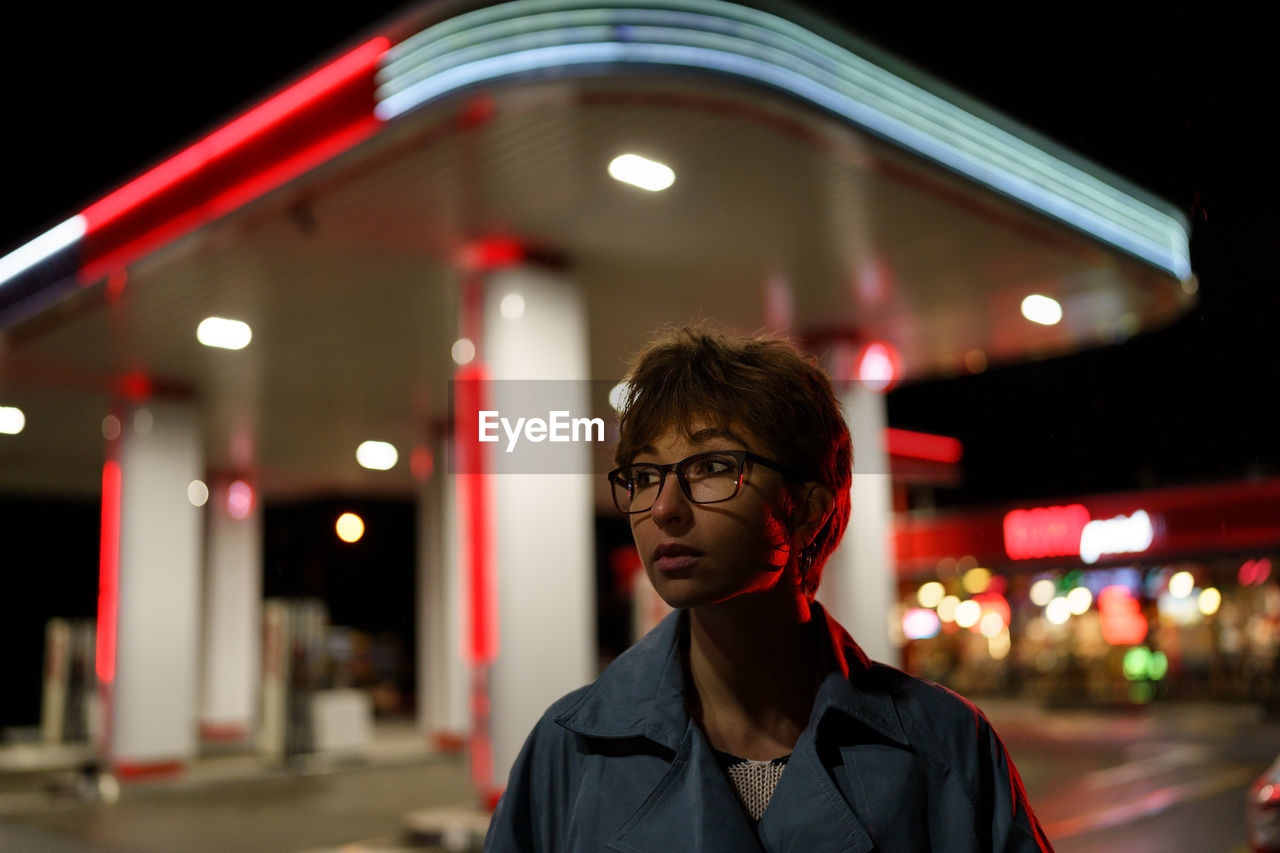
(753,781)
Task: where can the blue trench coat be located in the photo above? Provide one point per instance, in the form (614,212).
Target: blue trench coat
(887,762)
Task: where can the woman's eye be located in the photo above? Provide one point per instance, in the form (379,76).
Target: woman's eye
(644,478)
(711,466)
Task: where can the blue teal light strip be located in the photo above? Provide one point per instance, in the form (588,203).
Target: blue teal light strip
(564,37)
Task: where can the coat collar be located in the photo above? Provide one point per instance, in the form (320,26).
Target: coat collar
(641,694)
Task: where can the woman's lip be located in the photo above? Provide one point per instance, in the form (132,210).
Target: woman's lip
(676,562)
(675,549)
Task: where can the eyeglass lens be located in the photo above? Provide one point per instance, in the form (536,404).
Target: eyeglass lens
(705,478)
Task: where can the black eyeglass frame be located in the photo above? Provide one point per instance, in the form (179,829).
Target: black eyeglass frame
(678,468)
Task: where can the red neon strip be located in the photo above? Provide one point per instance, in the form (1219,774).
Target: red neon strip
(253,123)
(252,187)
(923,445)
(108,572)
(473,483)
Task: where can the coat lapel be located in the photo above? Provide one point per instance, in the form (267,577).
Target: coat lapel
(693,808)
(807,813)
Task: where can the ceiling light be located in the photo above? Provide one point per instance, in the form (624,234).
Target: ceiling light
(1042,310)
(12,420)
(223,333)
(641,172)
(377,455)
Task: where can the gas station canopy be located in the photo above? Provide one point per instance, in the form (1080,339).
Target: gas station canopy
(820,187)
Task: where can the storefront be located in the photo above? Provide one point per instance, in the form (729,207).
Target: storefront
(1119,598)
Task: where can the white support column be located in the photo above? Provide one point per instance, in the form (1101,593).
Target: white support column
(156,662)
(544,521)
(232,648)
(442,672)
(858,585)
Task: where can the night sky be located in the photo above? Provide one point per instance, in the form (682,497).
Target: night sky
(1181,101)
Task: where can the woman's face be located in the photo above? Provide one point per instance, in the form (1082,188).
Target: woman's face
(702,554)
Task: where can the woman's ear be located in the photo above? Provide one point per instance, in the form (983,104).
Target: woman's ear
(815,507)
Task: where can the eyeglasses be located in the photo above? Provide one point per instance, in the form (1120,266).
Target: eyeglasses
(705,478)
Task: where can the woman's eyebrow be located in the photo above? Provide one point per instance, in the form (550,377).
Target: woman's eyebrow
(704,435)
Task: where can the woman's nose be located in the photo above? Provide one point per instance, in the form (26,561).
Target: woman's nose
(672,505)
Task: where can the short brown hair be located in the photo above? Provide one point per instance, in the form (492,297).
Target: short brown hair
(761,384)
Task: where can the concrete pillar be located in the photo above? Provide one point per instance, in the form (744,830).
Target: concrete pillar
(442,672)
(858,585)
(153,659)
(232,648)
(544,521)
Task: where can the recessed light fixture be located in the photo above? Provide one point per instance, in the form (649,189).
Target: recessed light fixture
(377,455)
(1041,309)
(223,333)
(641,172)
(12,420)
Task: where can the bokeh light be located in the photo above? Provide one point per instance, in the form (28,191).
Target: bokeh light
(350,527)
(512,306)
(463,351)
(930,594)
(1079,600)
(976,580)
(1043,591)
(947,608)
(999,644)
(1181,584)
(1210,600)
(197,493)
(919,623)
(1058,611)
(968,613)
(239,500)
(990,624)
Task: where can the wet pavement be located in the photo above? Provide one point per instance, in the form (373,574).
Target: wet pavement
(1164,778)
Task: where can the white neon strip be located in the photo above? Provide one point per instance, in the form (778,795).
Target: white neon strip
(540,35)
(778,42)
(29,254)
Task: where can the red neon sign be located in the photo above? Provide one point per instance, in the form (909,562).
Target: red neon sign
(1255,572)
(1051,531)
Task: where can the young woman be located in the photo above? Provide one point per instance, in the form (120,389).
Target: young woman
(748,719)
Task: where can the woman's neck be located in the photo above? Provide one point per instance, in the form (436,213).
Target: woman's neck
(754,665)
